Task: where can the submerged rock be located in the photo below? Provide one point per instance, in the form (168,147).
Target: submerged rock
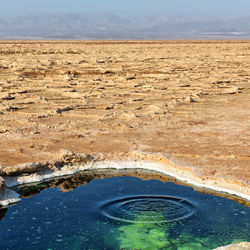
(8,197)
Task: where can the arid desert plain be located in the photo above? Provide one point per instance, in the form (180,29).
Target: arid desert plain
(185,101)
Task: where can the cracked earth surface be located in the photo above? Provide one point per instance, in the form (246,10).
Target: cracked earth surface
(188,99)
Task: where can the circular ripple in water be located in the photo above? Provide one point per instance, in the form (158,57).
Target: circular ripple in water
(148,209)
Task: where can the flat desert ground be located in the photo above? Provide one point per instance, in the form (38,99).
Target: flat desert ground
(189,100)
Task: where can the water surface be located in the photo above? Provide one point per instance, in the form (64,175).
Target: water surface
(123,213)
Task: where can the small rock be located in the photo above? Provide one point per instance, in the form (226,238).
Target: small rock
(3,130)
(72,84)
(186,99)
(61,110)
(2,184)
(109,72)
(6,96)
(98,79)
(221,82)
(131,78)
(100,61)
(11,108)
(231,91)
(185,85)
(138,100)
(110,107)
(194,98)
(36,132)
(82,61)
(138,85)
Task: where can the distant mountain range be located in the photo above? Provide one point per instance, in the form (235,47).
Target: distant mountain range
(112,26)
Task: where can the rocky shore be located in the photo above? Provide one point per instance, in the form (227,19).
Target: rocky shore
(71,163)
(74,170)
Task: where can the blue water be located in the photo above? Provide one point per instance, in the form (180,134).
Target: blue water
(124,213)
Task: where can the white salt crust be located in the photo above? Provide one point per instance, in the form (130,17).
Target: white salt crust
(170,171)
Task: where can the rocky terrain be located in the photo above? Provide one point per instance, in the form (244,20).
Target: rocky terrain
(188,100)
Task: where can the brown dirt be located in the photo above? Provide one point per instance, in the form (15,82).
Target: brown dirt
(189,100)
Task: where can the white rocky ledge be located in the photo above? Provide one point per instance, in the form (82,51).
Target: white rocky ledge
(8,197)
(171,171)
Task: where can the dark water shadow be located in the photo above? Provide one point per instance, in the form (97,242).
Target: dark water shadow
(68,183)
(3,212)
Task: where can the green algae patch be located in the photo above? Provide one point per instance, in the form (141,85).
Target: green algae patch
(144,236)
(152,236)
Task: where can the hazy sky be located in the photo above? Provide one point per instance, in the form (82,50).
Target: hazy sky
(223,8)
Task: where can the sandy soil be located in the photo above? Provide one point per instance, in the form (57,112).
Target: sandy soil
(240,246)
(189,100)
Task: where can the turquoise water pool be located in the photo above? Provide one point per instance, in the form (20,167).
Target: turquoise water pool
(122,213)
